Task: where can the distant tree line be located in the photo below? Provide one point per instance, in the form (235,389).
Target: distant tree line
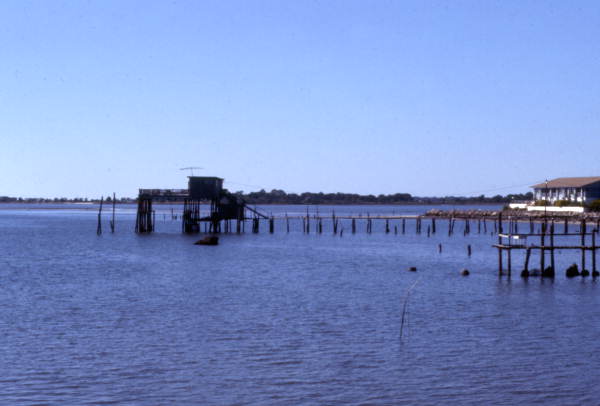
(277,196)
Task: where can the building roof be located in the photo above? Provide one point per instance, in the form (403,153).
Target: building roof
(568,182)
(205,177)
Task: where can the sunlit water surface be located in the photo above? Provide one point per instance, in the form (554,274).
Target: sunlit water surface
(283,318)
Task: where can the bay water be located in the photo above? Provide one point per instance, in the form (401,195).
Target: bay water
(282,318)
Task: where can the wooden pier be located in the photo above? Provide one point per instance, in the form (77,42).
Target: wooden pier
(224,207)
(511,241)
(209,208)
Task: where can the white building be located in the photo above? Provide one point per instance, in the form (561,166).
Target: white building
(576,190)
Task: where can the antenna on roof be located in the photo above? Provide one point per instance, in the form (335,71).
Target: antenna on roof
(191,169)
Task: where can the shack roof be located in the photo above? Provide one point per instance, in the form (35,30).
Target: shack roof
(568,182)
(213,177)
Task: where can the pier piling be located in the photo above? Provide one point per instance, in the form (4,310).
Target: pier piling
(112,221)
(99,227)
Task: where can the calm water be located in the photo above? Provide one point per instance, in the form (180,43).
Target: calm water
(283,319)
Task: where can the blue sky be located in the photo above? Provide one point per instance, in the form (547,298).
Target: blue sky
(424,97)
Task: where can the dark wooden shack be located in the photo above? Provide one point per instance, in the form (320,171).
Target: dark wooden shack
(204,187)
(224,206)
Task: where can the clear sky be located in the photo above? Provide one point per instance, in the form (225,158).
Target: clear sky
(424,97)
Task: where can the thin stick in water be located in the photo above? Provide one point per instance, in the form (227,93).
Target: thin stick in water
(405,307)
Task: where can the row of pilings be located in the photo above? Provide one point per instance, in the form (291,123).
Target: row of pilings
(316,224)
(191,220)
(575,240)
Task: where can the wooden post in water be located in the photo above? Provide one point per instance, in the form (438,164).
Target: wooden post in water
(500,222)
(499,255)
(353,225)
(583,227)
(543,248)
(433,226)
(527,255)
(509,256)
(334,221)
(387,226)
(594,271)
(99,227)
(531,230)
(469,250)
(137,217)
(403,226)
(551,246)
(112,221)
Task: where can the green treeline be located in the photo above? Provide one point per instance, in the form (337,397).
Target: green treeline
(277,196)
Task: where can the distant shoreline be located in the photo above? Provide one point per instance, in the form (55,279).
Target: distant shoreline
(94,204)
(280,197)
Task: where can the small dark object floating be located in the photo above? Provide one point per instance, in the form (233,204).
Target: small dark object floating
(585,272)
(524,273)
(465,272)
(209,240)
(413,269)
(572,271)
(548,272)
(595,274)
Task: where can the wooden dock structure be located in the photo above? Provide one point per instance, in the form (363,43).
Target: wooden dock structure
(207,204)
(224,206)
(583,240)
